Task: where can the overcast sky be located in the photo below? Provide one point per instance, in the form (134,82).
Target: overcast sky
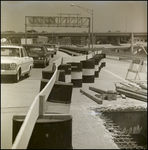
(125,16)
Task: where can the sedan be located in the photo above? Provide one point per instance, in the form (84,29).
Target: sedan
(15,62)
(39,53)
(50,47)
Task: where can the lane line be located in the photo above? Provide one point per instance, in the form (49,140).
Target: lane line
(115,75)
(134,84)
(115,65)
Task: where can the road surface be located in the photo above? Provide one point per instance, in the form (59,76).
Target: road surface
(16,98)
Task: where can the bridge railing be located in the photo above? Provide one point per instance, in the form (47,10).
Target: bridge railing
(37,107)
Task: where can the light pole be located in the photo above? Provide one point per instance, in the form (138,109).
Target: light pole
(3,22)
(52,34)
(88,11)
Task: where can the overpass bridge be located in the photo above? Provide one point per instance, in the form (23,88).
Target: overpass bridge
(76,37)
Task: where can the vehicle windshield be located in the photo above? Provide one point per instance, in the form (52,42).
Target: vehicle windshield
(14,52)
(34,49)
(49,46)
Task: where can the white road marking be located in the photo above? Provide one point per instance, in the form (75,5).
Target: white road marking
(108,63)
(121,78)
(115,75)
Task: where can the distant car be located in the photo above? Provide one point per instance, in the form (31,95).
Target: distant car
(55,47)
(39,53)
(50,47)
(15,62)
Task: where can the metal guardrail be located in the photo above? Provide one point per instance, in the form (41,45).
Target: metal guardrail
(37,107)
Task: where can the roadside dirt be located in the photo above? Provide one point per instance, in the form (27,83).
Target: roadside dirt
(88,130)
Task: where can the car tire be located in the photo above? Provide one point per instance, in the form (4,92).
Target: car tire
(47,63)
(16,77)
(44,64)
(27,74)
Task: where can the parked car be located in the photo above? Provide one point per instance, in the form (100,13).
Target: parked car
(15,62)
(39,53)
(50,47)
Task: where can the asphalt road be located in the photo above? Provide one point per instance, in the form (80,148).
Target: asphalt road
(16,98)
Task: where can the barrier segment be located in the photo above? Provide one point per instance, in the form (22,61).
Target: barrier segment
(50,132)
(67,69)
(76,74)
(102,62)
(57,95)
(61,75)
(59,88)
(47,74)
(24,134)
(88,69)
(57,102)
(43,83)
(96,66)
(74,59)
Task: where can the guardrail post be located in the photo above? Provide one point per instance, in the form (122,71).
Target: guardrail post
(41,105)
(58,74)
(53,67)
(62,60)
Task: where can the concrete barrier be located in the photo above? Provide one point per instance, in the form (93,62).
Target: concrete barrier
(39,106)
(76,74)
(47,74)
(50,132)
(96,66)
(67,69)
(88,69)
(57,102)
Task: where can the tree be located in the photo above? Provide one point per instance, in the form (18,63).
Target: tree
(32,31)
(44,32)
(10,31)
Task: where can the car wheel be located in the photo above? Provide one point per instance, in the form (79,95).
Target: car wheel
(47,62)
(27,74)
(16,77)
(44,65)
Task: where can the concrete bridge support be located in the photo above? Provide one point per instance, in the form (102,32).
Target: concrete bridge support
(94,39)
(132,41)
(118,40)
(57,40)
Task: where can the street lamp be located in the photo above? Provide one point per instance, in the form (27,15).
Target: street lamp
(2,23)
(52,34)
(88,11)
